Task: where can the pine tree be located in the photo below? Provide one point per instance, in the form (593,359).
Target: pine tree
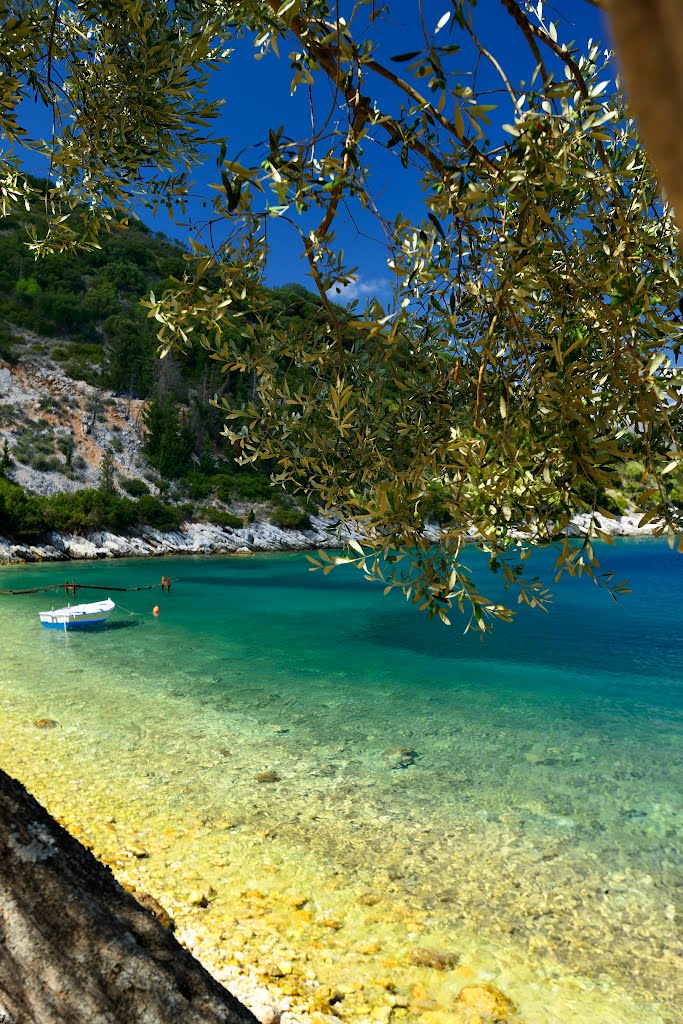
(168,441)
(5,461)
(107,473)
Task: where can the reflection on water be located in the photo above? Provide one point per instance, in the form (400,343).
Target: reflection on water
(355,784)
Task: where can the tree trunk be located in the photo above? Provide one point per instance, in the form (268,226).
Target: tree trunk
(649,39)
(75,948)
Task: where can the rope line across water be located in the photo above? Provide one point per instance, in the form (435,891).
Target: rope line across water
(71,588)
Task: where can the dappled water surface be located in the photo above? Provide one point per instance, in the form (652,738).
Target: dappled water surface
(512,804)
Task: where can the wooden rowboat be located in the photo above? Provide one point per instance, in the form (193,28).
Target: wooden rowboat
(78,616)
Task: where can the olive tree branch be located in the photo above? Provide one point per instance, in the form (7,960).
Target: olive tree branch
(523,23)
(326,56)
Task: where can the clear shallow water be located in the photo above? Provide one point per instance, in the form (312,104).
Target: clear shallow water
(536,834)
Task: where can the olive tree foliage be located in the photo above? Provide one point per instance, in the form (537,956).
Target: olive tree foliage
(529,345)
(124,83)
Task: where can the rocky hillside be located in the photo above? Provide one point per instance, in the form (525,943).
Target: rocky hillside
(58,429)
(86,405)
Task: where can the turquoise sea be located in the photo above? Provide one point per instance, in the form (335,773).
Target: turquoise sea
(514,803)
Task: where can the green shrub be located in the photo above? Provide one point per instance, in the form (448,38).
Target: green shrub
(246,484)
(49,404)
(617,503)
(28,516)
(21,515)
(42,445)
(47,463)
(198,485)
(152,512)
(597,497)
(209,514)
(87,510)
(290,518)
(27,288)
(8,349)
(8,414)
(613,502)
(434,503)
(633,471)
(224,487)
(133,486)
(5,459)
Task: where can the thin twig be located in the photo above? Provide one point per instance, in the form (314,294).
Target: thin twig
(521,20)
(51,42)
(48,80)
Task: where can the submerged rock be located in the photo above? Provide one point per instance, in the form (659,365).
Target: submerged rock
(198,899)
(296,900)
(463,1015)
(369,899)
(489,1003)
(404,757)
(437,959)
(325,997)
(324,1018)
(269,776)
(138,851)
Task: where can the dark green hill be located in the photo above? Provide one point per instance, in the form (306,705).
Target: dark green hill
(90,302)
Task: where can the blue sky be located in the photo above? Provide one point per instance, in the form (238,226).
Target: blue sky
(256,96)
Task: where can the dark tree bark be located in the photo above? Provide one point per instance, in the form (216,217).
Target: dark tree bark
(649,40)
(75,948)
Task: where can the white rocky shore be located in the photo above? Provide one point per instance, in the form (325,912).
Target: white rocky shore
(191,539)
(205,539)
(622,526)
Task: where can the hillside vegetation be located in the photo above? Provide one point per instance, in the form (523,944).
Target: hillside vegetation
(78,318)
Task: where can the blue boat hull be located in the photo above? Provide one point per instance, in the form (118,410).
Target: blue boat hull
(75,625)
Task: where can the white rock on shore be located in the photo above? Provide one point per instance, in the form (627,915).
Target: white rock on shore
(622,526)
(192,539)
(205,539)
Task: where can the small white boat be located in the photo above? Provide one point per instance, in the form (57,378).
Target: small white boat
(78,616)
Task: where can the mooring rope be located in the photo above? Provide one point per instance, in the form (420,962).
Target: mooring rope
(122,608)
(71,588)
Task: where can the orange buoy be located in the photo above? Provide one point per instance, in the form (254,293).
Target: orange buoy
(155,609)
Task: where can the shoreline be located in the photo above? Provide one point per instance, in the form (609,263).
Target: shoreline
(191,539)
(257,537)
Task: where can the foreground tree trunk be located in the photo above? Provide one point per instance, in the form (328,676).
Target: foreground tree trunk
(75,948)
(649,39)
